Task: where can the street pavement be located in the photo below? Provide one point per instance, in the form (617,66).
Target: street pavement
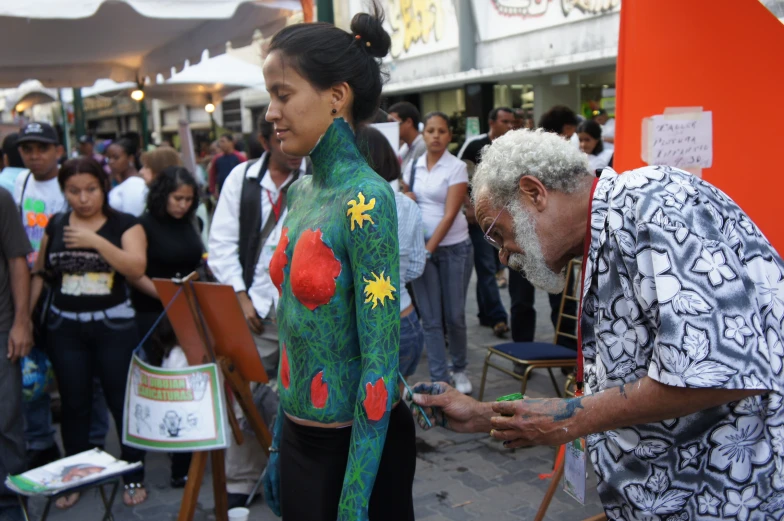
(459,477)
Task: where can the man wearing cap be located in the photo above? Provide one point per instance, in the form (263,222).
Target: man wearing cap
(87,148)
(38,196)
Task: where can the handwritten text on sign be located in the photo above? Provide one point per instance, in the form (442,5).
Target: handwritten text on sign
(682,143)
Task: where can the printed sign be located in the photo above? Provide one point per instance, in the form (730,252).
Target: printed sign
(500,18)
(174,409)
(417,27)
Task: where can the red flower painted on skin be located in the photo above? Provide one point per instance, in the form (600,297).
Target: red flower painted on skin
(285,373)
(279,261)
(319,391)
(314,269)
(376,400)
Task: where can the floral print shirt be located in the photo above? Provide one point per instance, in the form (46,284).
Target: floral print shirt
(682,286)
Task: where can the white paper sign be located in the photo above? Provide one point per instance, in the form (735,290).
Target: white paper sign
(574,470)
(174,409)
(685,141)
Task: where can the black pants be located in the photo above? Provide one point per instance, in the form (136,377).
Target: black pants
(524,314)
(79,351)
(144,321)
(313,463)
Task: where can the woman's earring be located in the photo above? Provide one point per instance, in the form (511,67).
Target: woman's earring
(334,111)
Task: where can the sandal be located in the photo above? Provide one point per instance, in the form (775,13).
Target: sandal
(135,494)
(67,501)
(500,330)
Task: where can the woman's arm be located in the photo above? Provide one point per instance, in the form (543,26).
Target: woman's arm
(454,202)
(374,254)
(130,260)
(146,286)
(37,283)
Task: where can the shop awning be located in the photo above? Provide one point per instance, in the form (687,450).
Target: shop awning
(74,43)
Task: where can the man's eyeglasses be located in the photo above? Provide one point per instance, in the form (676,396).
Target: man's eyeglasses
(492,242)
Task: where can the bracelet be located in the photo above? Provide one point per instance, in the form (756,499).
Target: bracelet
(274,449)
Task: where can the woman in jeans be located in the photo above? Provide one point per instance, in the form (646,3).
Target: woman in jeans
(411,234)
(438,182)
(88,253)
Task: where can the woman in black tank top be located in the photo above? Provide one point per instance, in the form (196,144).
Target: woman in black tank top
(89,253)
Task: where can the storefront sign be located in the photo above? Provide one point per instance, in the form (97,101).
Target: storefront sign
(417,27)
(174,409)
(500,18)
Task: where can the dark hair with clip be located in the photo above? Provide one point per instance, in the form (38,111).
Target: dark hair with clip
(327,56)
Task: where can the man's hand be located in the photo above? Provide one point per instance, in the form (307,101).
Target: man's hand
(254,322)
(528,422)
(446,407)
(79,238)
(20,339)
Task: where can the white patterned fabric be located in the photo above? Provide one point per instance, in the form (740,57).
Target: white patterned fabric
(682,286)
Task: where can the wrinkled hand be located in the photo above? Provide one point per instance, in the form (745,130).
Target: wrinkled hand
(272,483)
(524,423)
(254,322)
(20,340)
(79,238)
(446,407)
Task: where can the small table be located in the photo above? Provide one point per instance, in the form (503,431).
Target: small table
(108,501)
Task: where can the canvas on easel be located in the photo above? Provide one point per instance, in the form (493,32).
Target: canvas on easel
(210,326)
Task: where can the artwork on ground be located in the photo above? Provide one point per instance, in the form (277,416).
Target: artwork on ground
(76,470)
(174,409)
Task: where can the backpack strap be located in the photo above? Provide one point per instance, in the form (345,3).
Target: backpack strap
(250,218)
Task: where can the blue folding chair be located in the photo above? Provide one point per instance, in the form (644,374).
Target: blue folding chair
(541,355)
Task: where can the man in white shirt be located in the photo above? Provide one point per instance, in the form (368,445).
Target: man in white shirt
(245,231)
(408,116)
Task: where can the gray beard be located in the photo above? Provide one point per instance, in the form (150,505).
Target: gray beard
(532,263)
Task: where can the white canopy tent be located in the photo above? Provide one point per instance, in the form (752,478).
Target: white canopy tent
(217,77)
(76,42)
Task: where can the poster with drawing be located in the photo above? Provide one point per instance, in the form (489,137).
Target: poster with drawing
(174,410)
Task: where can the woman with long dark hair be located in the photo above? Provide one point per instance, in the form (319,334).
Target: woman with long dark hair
(131,191)
(174,248)
(89,253)
(438,182)
(342,438)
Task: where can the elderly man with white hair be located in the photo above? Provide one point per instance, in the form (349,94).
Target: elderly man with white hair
(681,331)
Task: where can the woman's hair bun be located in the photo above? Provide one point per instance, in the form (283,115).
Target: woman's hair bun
(370,29)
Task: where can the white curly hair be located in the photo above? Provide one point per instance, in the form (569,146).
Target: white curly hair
(557,163)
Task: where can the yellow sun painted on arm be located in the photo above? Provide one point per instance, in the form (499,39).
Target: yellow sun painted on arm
(356,210)
(378,289)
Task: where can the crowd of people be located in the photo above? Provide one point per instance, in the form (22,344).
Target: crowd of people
(351,258)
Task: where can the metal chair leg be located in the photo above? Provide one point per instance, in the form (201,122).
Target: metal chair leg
(555,383)
(108,504)
(484,375)
(23,505)
(525,379)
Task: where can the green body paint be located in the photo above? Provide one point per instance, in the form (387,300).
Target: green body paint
(336,267)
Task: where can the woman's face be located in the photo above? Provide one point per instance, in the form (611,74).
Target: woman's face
(84,195)
(118,160)
(147,174)
(437,135)
(301,114)
(180,201)
(587,143)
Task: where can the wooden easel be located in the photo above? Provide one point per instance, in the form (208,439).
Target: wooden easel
(209,331)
